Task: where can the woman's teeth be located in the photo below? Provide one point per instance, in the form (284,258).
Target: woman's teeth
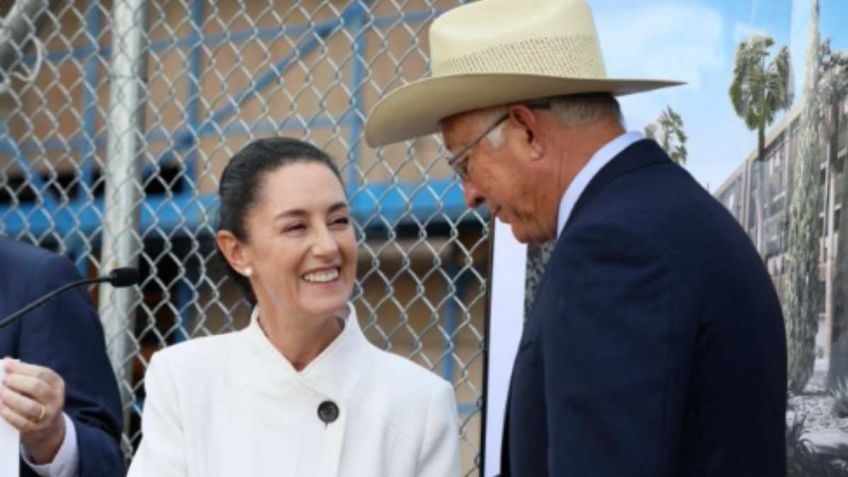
(321,277)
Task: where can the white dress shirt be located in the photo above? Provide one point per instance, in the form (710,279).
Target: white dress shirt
(66,462)
(601,158)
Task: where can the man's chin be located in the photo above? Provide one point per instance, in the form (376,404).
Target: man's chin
(526,236)
(519,233)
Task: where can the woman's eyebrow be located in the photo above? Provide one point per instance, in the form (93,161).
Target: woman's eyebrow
(302,212)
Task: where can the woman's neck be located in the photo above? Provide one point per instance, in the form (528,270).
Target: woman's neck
(299,339)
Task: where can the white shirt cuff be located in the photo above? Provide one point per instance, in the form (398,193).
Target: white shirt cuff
(66,462)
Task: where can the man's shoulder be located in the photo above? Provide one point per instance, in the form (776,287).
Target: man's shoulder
(25,260)
(28,271)
(15,252)
(660,199)
(660,211)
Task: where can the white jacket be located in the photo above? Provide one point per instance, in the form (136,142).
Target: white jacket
(231,405)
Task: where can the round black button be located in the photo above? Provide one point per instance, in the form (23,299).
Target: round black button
(328,412)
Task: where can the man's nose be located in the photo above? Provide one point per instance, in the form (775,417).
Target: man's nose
(473,196)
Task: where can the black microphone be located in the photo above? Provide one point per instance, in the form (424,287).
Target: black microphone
(122,277)
(118,278)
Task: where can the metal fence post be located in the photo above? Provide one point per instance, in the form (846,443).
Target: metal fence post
(121,241)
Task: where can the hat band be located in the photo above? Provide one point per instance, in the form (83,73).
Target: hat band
(575,56)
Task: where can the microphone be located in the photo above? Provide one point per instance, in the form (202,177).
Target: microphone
(122,277)
(118,278)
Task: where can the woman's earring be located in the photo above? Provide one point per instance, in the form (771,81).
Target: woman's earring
(248,271)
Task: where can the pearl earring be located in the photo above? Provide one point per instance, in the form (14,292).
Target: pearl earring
(248,271)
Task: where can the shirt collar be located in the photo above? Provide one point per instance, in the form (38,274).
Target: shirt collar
(601,158)
(334,372)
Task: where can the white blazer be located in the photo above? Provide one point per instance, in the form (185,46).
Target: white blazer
(231,405)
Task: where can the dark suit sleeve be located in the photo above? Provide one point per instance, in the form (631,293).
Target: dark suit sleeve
(66,336)
(611,383)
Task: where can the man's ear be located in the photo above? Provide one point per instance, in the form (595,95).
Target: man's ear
(233,251)
(525,118)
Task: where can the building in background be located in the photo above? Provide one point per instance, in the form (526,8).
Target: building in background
(738,191)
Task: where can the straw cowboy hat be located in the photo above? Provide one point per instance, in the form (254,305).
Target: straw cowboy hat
(494,52)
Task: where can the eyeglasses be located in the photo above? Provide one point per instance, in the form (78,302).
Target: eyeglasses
(459,161)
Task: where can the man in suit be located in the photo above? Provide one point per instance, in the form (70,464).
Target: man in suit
(59,390)
(655,346)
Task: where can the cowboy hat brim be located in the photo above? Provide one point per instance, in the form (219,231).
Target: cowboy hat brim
(415,109)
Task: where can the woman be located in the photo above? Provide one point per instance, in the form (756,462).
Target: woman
(299,392)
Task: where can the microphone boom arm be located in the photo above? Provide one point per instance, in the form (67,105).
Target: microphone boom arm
(119,277)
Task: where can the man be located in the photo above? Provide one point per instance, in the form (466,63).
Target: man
(655,346)
(59,390)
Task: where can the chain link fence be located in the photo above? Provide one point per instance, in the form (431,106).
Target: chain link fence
(116,120)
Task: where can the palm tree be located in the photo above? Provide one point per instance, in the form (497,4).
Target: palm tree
(759,90)
(668,132)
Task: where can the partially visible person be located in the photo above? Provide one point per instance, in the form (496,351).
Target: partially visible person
(655,346)
(59,390)
(300,391)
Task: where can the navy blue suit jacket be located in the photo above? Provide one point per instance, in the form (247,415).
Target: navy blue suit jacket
(656,345)
(66,336)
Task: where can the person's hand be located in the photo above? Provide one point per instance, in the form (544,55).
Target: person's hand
(31,400)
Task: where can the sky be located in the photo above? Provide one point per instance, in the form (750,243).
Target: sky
(695,41)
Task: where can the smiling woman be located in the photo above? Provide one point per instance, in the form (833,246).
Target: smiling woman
(299,391)
(287,238)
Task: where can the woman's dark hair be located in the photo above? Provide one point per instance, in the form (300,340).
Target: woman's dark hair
(241,181)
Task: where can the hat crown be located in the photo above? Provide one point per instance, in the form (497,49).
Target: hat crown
(494,52)
(544,37)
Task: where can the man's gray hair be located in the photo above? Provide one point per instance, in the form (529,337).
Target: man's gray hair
(572,111)
(577,110)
